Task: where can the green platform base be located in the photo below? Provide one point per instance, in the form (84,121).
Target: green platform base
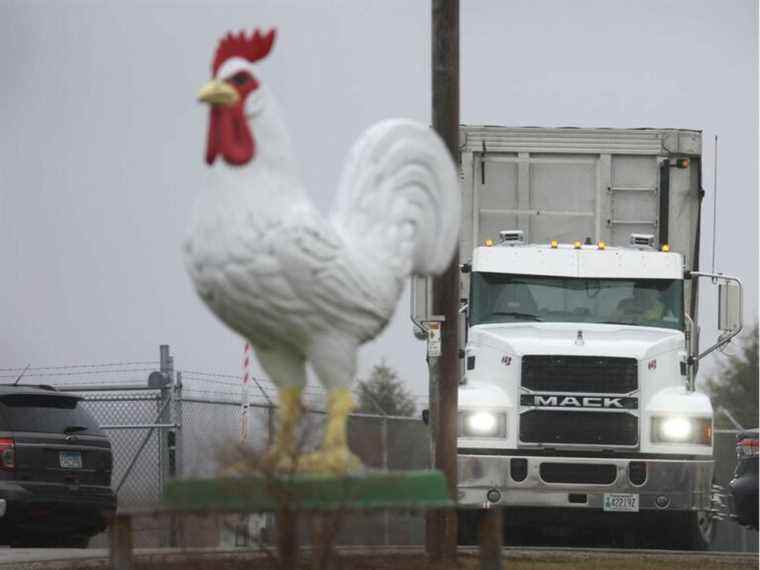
(372,490)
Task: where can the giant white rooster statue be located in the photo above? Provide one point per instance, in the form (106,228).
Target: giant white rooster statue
(298,286)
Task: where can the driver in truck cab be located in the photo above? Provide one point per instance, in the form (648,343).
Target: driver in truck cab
(645,305)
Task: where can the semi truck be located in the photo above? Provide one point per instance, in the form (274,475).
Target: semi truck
(580,281)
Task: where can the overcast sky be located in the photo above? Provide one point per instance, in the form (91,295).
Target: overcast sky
(102,140)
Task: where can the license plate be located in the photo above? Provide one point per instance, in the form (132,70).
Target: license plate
(71,459)
(621,502)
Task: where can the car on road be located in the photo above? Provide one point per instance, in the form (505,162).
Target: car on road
(743,486)
(55,469)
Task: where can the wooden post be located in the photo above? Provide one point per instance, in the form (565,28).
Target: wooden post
(121,543)
(445,90)
(288,547)
(318,540)
(489,538)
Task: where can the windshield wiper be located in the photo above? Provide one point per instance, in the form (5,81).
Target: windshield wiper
(516,314)
(74,429)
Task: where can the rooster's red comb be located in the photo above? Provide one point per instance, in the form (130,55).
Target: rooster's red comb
(251,48)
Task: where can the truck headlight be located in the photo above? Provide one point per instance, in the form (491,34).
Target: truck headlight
(482,423)
(680,429)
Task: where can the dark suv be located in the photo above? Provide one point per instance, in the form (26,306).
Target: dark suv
(55,469)
(743,487)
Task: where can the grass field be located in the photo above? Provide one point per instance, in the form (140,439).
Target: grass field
(511,561)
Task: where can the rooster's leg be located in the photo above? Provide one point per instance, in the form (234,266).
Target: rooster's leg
(288,371)
(283,452)
(335,364)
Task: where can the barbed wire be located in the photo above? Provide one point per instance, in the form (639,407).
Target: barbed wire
(108,384)
(312,392)
(212,374)
(81,373)
(70,371)
(89,365)
(222,382)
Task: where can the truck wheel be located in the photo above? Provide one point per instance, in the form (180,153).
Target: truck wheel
(699,530)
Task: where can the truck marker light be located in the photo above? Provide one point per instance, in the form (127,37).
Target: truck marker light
(554,244)
(707,430)
(652,365)
(665,248)
(601,245)
(489,242)
(682,163)
(577,245)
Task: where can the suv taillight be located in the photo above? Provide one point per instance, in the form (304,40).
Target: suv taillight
(7,454)
(746,447)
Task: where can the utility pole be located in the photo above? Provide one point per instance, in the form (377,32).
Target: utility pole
(441,529)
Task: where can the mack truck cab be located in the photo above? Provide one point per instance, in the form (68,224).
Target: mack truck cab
(577,394)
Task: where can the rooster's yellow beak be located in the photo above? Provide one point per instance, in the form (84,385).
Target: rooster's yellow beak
(217,92)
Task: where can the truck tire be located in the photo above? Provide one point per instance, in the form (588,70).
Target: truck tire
(693,530)
(699,530)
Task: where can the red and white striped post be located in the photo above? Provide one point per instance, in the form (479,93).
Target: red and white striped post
(245,397)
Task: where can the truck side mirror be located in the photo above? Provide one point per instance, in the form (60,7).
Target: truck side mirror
(426,416)
(729,306)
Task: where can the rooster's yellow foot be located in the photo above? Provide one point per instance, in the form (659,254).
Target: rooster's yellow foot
(277,461)
(273,460)
(336,460)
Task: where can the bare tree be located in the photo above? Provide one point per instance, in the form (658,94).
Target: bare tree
(735,386)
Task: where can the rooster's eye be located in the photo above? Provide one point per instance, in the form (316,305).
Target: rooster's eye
(240,78)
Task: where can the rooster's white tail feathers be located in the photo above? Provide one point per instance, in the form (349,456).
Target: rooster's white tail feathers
(399,199)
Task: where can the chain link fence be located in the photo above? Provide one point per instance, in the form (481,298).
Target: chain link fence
(163,424)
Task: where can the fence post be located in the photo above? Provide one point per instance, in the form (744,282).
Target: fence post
(270,424)
(177,420)
(176,537)
(164,453)
(121,543)
(386,515)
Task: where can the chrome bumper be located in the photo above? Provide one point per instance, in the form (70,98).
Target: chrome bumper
(686,483)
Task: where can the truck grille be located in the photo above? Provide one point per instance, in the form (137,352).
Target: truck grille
(589,374)
(589,428)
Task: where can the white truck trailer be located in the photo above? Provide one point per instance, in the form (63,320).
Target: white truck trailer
(580,262)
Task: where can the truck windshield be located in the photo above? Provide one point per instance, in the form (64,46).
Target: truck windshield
(501,298)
